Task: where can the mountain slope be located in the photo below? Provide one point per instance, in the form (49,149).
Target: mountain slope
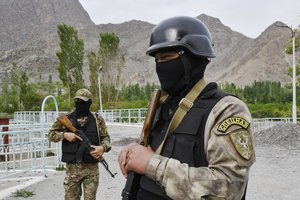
(28,37)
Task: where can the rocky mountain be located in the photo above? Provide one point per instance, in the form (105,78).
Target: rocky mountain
(28,37)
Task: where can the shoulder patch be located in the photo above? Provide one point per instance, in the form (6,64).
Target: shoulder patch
(233,121)
(242,142)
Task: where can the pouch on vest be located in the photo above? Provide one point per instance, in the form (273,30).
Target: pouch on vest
(69,150)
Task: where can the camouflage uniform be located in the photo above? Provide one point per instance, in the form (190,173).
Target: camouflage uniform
(85,174)
(182,48)
(56,132)
(229,151)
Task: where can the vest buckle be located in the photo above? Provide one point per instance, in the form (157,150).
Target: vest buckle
(185,104)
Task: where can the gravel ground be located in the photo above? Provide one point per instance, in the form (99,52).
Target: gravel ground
(274,176)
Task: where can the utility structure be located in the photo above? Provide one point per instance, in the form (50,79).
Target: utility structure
(294,107)
(99,86)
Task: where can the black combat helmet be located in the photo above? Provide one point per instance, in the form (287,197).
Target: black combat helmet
(183,33)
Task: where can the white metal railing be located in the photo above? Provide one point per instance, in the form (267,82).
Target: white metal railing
(124,115)
(34,117)
(23,147)
(261,124)
(112,115)
(130,116)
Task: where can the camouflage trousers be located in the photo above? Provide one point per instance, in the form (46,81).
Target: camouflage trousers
(81,176)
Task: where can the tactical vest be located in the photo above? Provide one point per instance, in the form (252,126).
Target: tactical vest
(69,149)
(186,144)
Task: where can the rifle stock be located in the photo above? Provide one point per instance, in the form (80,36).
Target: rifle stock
(153,104)
(64,120)
(133,179)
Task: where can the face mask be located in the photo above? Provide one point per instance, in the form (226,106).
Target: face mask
(82,108)
(170,74)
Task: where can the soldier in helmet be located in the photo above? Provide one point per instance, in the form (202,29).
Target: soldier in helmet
(201,138)
(85,173)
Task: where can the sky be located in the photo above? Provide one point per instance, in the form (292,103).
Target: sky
(249,17)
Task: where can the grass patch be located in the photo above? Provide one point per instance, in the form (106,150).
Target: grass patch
(60,168)
(22,193)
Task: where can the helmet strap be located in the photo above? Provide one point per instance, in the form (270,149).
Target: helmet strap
(187,66)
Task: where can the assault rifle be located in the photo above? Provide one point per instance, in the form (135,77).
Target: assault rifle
(133,179)
(86,143)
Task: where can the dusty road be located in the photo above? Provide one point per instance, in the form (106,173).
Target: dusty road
(274,176)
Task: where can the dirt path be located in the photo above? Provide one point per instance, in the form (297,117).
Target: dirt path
(275,175)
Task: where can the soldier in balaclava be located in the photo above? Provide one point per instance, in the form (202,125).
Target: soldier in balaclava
(201,138)
(82,171)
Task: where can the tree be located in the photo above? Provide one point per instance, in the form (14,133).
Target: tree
(50,79)
(24,89)
(289,50)
(93,68)
(20,95)
(108,51)
(119,81)
(70,57)
(15,87)
(4,98)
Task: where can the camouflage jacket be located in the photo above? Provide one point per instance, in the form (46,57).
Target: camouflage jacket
(56,132)
(229,151)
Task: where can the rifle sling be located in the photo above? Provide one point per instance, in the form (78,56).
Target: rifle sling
(85,144)
(184,106)
(80,152)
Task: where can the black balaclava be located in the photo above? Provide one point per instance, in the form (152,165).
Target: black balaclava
(180,74)
(82,108)
(169,74)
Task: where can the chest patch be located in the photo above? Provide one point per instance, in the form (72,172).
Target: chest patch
(242,142)
(232,121)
